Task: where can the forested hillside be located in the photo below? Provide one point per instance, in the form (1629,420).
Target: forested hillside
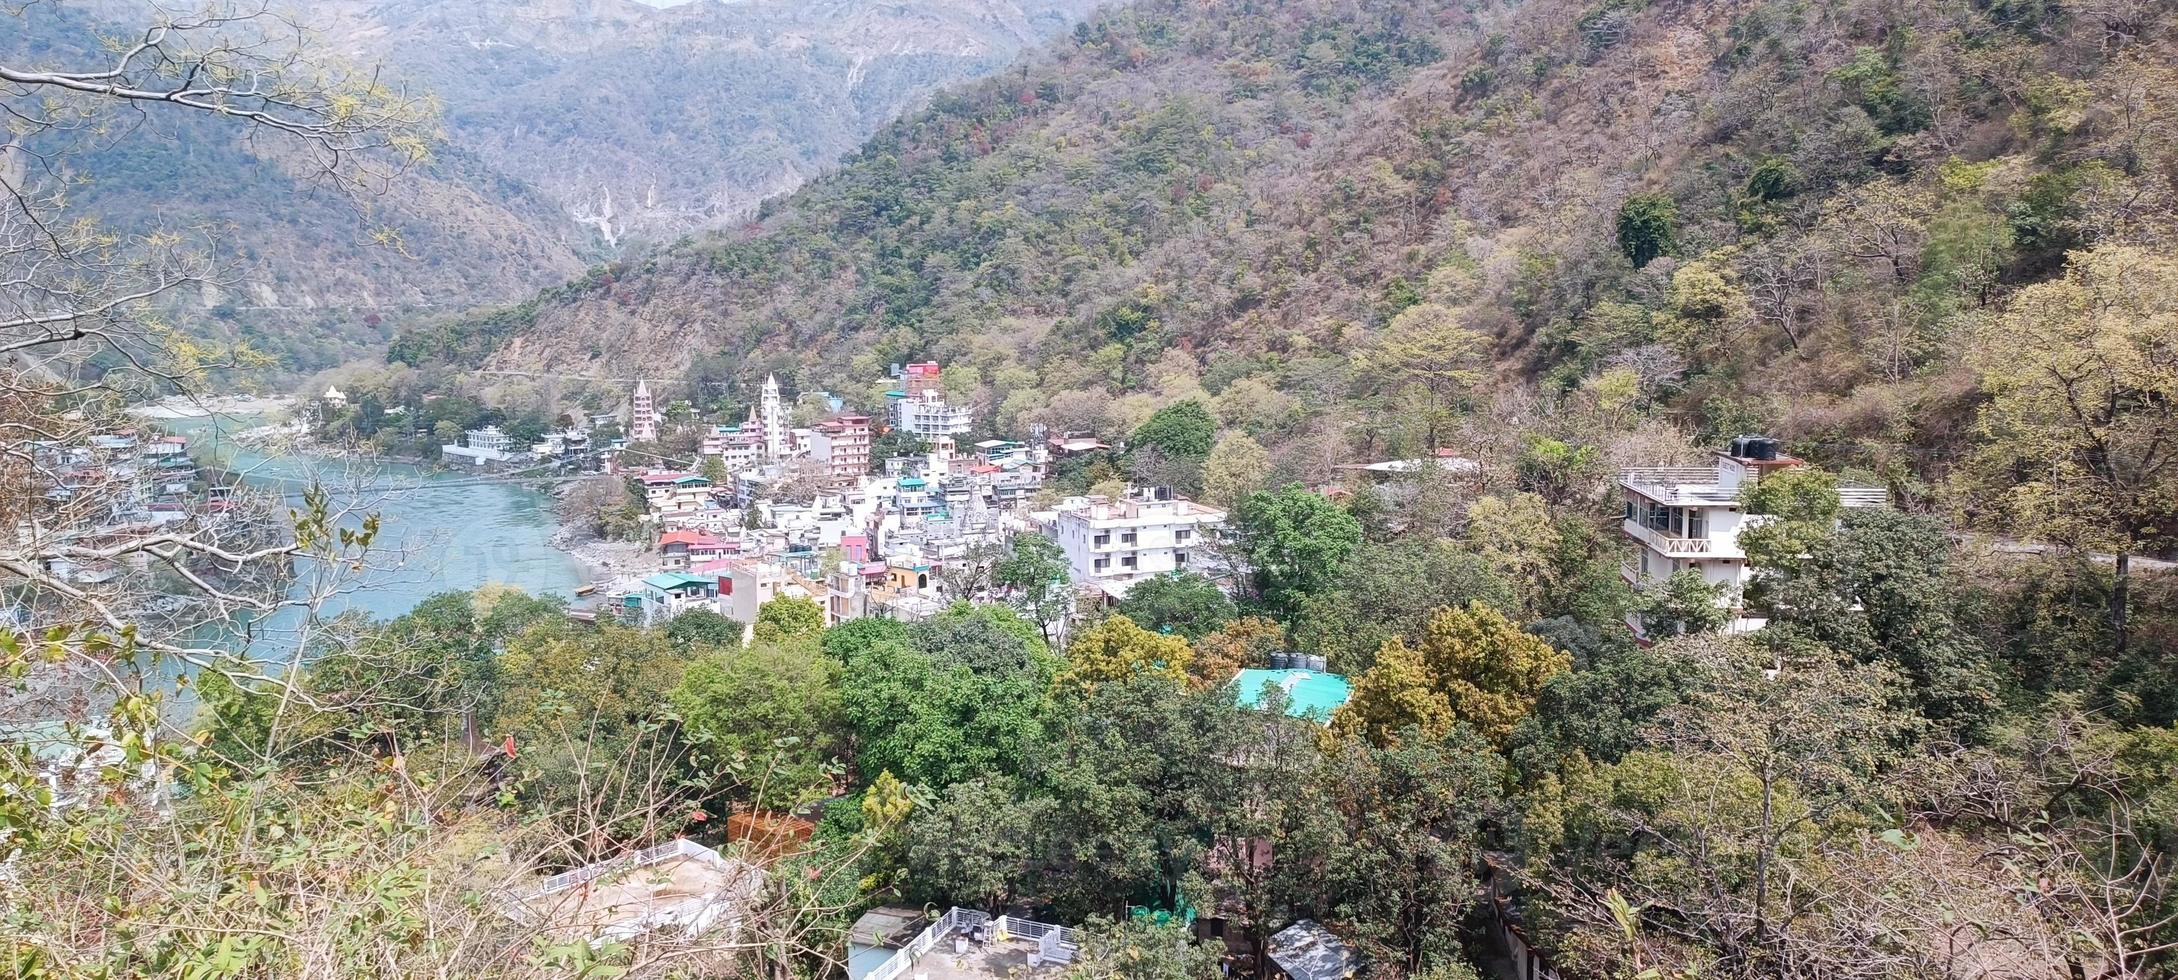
(1774,215)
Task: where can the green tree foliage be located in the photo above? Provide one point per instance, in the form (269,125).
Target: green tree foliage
(1295,543)
(1247,641)
(694,630)
(787,618)
(1468,665)
(766,719)
(1182,434)
(1237,466)
(1648,227)
(1118,648)
(1390,591)
(1134,949)
(1036,579)
(1883,589)
(1412,831)
(934,724)
(1183,603)
(1685,603)
(976,844)
(2080,409)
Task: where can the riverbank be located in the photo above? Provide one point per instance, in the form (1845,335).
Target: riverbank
(605,561)
(205,406)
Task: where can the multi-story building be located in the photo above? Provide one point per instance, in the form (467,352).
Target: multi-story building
(772,421)
(1688,518)
(643,417)
(841,444)
(1113,544)
(738,447)
(929,416)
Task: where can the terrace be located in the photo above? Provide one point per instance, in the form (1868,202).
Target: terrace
(681,886)
(965,944)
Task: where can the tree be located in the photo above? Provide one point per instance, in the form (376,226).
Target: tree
(1684,604)
(1470,665)
(976,845)
(1236,468)
(1402,868)
(695,630)
(1882,588)
(788,617)
(764,719)
(1425,347)
(1798,507)
(1117,649)
(1184,603)
(984,639)
(1136,949)
(1038,581)
(2082,401)
(935,724)
(1295,543)
(1390,591)
(1247,641)
(1180,434)
(1647,228)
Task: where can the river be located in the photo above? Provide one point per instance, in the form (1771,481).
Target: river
(432,538)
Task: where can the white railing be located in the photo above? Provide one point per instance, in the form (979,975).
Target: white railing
(903,958)
(1675,546)
(1032,929)
(680,847)
(1049,938)
(1856,495)
(1665,476)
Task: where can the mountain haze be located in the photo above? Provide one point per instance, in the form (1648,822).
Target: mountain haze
(1773,214)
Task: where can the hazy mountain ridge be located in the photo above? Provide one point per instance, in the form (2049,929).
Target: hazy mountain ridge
(1180,196)
(571,126)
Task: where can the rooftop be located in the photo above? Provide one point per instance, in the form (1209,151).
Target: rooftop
(1308,951)
(1309,693)
(681,885)
(966,944)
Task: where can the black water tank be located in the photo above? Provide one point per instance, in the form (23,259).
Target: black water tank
(1738,448)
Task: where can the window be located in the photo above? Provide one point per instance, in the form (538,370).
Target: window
(1126,537)
(1103,564)
(1127,562)
(1182,535)
(1103,539)
(1179,557)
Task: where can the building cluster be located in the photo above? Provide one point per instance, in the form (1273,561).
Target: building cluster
(110,487)
(772,509)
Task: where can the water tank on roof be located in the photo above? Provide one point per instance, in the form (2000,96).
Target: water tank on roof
(1762,449)
(1318,663)
(1281,661)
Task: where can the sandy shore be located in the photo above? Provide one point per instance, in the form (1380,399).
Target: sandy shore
(200,406)
(605,561)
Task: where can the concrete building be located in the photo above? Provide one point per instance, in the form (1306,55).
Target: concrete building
(772,421)
(643,418)
(929,415)
(1683,518)
(841,444)
(485,445)
(1113,544)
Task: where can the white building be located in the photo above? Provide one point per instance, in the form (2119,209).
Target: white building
(485,445)
(773,421)
(929,416)
(1115,543)
(1689,518)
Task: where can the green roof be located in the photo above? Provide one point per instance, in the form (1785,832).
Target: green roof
(1309,693)
(667,581)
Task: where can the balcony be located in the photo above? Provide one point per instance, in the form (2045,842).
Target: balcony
(1665,544)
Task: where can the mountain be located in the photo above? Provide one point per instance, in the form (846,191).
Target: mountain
(572,127)
(1764,213)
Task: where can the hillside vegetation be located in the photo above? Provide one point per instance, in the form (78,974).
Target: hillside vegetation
(1767,214)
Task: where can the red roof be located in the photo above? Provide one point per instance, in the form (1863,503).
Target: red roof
(694,539)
